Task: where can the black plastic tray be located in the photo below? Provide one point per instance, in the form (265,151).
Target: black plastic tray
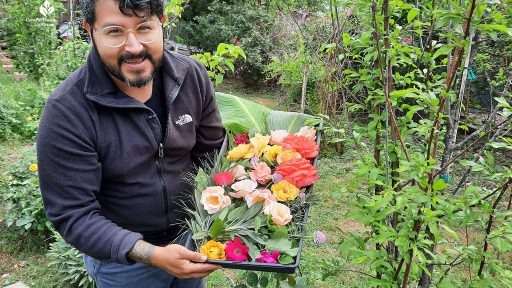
(266,267)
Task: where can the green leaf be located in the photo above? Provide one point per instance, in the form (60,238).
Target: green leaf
(439,185)
(443,50)
(285,259)
(412,14)
(240,115)
(289,121)
(217,229)
(282,245)
(263,281)
(252,279)
(281,232)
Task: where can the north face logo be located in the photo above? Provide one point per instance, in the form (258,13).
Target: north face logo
(184,119)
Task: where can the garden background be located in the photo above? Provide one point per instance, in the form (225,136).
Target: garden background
(416,152)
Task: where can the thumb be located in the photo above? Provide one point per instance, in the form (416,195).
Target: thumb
(194,256)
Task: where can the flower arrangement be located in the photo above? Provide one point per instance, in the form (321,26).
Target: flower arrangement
(253,208)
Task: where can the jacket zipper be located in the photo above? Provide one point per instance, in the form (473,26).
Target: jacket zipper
(159,166)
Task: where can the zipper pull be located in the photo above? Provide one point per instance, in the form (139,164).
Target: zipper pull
(160,150)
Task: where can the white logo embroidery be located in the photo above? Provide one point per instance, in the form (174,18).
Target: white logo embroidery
(184,119)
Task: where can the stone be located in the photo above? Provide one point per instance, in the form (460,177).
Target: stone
(8,68)
(19,76)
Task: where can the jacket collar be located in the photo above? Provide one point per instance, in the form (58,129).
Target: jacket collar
(100,88)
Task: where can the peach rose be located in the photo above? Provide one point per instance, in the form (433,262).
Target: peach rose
(238,172)
(243,188)
(259,142)
(258,196)
(286,155)
(280,213)
(261,173)
(277,136)
(308,132)
(213,199)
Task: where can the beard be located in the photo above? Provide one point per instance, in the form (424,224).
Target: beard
(140,80)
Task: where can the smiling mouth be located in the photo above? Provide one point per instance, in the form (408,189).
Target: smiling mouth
(135,60)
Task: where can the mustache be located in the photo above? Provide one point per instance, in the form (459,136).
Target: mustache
(127,57)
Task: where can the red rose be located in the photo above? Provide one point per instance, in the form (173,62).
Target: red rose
(307,148)
(242,138)
(298,171)
(224,178)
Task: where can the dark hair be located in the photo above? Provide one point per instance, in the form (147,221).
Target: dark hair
(127,7)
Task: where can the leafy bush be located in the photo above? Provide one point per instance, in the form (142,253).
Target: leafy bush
(68,57)
(22,197)
(244,23)
(20,108)
(30,32)
(69,263)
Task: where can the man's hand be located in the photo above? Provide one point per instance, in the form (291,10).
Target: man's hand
(175,259)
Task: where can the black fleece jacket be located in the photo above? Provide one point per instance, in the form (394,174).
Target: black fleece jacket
(108,176)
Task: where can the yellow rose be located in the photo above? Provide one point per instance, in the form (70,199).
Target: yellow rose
(33,167)
(270,152)
(285,155)
(285,191)
(213,250)
(238,152)
(259,142)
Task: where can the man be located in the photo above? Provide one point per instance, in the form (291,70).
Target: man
(114,142)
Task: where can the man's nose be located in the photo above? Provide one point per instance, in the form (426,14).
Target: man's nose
(132,44)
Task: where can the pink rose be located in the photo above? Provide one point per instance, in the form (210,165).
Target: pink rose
(213,199)
(280,213)
(238,172)
(277,136)
(267,257)
(243,188)
(261,173)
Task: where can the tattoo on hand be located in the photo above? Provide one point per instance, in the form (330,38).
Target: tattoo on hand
(142,251)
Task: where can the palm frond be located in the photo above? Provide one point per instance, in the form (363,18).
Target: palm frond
(241,115)
(289,121)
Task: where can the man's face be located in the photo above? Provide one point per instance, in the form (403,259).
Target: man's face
(134,63)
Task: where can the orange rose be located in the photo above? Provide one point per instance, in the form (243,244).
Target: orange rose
(299,172)
(307,148)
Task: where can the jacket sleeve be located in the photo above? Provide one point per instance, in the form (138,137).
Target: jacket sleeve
(210,131)
(70,176)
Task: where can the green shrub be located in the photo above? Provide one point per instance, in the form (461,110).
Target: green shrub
(68,57)
(22,197)
(30,33)
(21,103)
(249,24)
(68,260)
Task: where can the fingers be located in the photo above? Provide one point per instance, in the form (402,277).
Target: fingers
(193,256)
(195,270)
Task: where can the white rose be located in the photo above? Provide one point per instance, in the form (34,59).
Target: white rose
(243,188)
(213,199)
(280,213)
(308,132)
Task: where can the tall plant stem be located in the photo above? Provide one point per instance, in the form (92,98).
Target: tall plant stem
(455,64)
(489,225)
